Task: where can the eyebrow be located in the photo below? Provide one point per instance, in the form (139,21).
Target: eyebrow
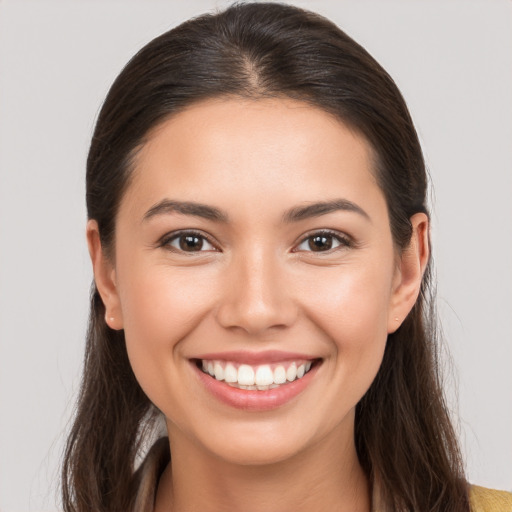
(322,208)
(296,214)
(167,206)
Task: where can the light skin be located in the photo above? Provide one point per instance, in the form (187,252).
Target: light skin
(258,280)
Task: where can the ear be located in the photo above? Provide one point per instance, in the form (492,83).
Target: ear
(104,277)
(409,275)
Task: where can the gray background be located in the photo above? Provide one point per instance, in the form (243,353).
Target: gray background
(452,61)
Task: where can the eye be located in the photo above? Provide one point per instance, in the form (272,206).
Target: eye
(323,241)
(187,241)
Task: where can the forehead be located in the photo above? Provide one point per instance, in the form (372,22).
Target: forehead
(269,150)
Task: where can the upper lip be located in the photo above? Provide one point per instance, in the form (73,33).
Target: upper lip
(252,357)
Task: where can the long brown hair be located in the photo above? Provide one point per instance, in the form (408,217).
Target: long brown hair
(403,434)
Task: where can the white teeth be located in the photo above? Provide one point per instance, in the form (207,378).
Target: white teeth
(264,376)
(230,373)
(219,371)
(245,375)
(291,373)
(279,375)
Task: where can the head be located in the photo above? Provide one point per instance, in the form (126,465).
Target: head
(274,62)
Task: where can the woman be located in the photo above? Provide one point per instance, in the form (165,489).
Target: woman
(260,242)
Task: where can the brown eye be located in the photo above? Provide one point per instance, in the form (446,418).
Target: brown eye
(188,242)
(323,241)
(320,242)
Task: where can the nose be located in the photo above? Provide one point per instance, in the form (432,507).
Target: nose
(256,298)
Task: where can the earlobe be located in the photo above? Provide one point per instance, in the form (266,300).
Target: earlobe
(104,277)
(412,264)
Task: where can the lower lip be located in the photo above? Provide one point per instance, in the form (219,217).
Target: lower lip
(253,400)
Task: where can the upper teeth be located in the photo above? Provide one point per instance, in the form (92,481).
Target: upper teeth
(261,377)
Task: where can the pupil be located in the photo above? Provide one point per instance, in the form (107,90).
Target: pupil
(320,242)
(190,243)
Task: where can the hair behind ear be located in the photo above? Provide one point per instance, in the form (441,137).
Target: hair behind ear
(402,424)
(100,452)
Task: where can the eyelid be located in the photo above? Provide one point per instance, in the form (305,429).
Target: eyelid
(344,239)
(165,240)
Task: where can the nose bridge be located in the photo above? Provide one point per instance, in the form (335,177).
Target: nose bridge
(255,299)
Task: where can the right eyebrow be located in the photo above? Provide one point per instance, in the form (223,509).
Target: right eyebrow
(167,206)
(323,208)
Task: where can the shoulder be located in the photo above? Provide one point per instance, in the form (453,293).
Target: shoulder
(489,500)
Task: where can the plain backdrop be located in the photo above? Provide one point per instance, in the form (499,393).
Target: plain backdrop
(452,61)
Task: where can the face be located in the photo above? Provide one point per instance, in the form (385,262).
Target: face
(253,243)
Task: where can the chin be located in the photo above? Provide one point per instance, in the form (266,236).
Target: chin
(258,443)
(257,453)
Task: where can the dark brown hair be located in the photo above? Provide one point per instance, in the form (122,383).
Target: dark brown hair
(403,434)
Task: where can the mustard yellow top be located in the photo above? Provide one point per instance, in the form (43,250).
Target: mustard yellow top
(489,500)
(481,498)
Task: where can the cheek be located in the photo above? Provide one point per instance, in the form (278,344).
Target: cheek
(351,304)
(165,302)
(352,311)
(160,308)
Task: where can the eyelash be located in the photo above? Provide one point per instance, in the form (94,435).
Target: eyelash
(166,240)
(343,240)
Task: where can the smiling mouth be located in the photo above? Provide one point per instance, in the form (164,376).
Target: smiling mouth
(256,377)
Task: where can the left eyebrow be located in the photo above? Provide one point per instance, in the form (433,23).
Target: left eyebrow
(168,206)
(299,213)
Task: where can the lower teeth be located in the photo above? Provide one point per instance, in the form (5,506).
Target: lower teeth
(255,387)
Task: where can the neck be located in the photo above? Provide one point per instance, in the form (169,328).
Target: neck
(325,477)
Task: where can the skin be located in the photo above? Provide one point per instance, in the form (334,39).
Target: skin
(258,286)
